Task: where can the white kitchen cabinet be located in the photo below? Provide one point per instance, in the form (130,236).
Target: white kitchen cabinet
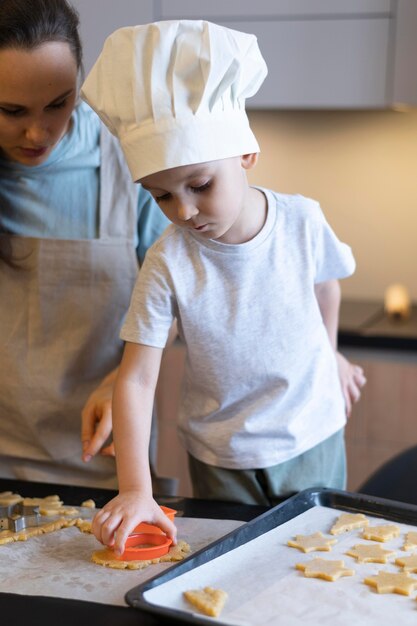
(336,54)
(99,18)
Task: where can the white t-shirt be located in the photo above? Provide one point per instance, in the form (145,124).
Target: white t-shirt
(261,384)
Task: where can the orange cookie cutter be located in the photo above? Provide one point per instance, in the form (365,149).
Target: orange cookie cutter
(144,546)
(143,527)
(147,541)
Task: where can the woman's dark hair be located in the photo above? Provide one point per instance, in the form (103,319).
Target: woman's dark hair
(27,24)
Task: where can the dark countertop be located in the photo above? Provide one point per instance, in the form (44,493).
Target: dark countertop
(46,611)
(365,324)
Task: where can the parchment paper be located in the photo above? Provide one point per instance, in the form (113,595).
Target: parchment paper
(58,564)
(265,589)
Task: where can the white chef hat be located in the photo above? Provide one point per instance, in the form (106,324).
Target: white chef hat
(173,92)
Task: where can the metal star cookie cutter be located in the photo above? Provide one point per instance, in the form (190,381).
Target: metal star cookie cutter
(18,516)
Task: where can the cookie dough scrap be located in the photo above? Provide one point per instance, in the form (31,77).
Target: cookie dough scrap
(311,543)
(7,536)
(348,521)
(410,541)
(8,497)
(208,600)
(50,506)
(387,582)
(89,504)
(327,570)
(84,525)
(106,558)
(408,563)
(385,532)
(364,553)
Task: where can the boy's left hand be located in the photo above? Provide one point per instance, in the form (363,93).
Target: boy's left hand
(352,379)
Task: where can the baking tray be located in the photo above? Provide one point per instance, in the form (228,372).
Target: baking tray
(276,516)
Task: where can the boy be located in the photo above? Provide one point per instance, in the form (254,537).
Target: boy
(249,274)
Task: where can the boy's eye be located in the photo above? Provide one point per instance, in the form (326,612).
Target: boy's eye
(201,188)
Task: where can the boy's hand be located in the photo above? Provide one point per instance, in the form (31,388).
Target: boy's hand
(116,520)
(352,379)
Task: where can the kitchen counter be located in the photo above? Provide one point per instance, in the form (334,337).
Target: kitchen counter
(47,611)
(364,324)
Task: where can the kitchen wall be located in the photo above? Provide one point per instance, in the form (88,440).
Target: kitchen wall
(362,167)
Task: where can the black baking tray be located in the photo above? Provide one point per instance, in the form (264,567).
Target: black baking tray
(340,500)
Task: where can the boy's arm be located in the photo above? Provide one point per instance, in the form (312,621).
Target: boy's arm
(352,378)
(132,413)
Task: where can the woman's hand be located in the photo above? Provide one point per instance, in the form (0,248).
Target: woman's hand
(352,379)
(96,420)
(117,519)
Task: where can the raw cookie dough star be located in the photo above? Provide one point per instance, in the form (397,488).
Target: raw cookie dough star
(384,532)
(410,541)
(348,521)
(327,570)
(365,553)
(387,582)
(408,563)
(310,543)
(208,600)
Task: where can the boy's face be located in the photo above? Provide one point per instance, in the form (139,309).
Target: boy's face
(212,199)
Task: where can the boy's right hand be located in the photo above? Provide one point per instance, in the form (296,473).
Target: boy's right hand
(117,519)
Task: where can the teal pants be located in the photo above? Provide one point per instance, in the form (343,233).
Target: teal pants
(322,466)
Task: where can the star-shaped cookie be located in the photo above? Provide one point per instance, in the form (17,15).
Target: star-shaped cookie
(311,543)
(408,563)
(322,568)
(348,521)
(208,600)
(387,582)
(385,532)
(410,541)
(364,553)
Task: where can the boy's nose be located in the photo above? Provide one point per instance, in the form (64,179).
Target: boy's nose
(186,211)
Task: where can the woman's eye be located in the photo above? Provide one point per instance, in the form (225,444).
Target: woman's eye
(58,105)
(201,188)
(163,197)
(11,112)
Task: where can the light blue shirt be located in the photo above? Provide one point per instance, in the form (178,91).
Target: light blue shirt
(60,198)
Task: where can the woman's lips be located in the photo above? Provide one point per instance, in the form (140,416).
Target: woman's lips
(33,152)
(200,227)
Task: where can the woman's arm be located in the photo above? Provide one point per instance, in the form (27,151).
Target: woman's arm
(96,416)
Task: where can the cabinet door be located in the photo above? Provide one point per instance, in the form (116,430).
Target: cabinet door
(322,54)
(405,58)
(322,63)
(237,9)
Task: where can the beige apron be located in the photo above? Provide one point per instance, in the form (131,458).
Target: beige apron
(60,318)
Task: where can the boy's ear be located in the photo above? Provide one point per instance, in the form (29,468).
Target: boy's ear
(248,161)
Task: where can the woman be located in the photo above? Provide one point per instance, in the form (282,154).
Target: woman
(72,228)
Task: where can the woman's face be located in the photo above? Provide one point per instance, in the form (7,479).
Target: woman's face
(38,91)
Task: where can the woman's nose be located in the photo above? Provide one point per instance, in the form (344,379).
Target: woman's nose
(37,133)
